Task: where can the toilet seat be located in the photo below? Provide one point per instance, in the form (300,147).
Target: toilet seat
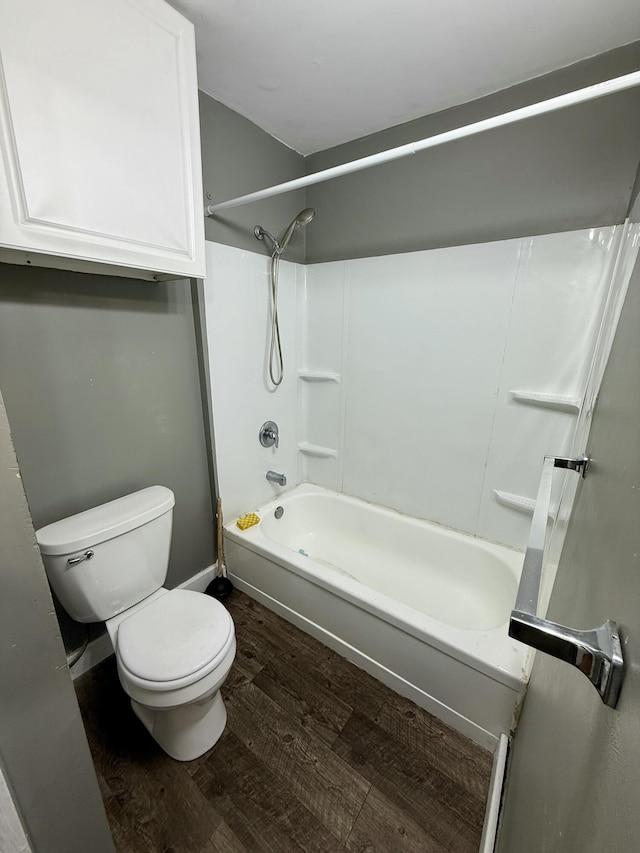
(174,641)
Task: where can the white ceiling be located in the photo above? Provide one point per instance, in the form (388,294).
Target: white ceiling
(315,73)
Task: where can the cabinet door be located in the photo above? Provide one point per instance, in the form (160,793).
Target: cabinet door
(99,134)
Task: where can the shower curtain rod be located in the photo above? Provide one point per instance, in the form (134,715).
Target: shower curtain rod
(590,93)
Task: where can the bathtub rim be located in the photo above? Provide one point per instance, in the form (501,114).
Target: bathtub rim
(513,672)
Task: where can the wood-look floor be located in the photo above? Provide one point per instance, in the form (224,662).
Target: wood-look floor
(316,756)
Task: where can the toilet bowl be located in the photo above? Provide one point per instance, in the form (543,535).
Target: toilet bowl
(174,648)
(173,652)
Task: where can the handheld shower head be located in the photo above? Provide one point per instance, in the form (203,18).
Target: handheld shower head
(278,246)
(303,218)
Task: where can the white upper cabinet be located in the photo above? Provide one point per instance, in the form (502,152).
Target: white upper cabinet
(99,136)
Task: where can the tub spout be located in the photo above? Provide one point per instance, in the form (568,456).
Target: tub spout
(274,477)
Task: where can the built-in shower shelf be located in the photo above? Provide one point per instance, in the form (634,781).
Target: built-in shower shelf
(317,450)
(519,502)
(318,376)
(565,402)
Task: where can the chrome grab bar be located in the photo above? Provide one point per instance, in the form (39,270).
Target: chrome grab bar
(597,652)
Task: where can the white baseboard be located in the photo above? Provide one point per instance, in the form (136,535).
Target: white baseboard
(199,582)
(97,651)
(492,812)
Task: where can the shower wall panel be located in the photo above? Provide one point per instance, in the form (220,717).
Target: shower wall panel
(399,373)
(430,345)
(322,402)
(558,300)
(427,334)
(237,311)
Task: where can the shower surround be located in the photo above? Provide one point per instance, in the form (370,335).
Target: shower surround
(431,384)
(400,372)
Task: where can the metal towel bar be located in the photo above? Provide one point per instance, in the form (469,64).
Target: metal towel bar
(597,652)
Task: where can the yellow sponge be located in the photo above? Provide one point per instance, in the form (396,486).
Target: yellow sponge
(247,521)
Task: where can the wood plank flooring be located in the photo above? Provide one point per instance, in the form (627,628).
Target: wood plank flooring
(317,756)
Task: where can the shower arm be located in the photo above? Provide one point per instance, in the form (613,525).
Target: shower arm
(597,653)
(260,233)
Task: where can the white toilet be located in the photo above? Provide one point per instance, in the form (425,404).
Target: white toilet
(174,648)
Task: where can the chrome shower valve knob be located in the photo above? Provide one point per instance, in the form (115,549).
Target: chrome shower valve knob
(269,434)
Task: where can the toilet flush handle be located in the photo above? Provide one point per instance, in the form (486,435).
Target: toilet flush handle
(86,556)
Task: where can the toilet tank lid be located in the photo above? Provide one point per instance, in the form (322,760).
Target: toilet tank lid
(104,522)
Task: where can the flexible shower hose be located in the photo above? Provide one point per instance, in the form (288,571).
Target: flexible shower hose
(276,363)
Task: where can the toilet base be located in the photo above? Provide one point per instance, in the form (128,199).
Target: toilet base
(188,731)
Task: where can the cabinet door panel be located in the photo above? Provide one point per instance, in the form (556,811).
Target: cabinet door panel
(100,132)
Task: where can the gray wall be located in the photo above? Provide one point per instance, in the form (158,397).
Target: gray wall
(575,771)
(573,169)
(43,749)
(237,158)
(100,381)
(569,170)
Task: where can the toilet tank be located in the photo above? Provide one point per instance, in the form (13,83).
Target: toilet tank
(106,559)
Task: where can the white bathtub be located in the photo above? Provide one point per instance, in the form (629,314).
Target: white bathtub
(421,607)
